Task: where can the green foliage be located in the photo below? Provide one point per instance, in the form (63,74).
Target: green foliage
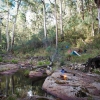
(36,42)
(43,62)
(80,43)
(1,59)
(62,45)
(48,49)
(14,61)
(97,71)
(84,56)
(47,62)
(12,97)
(17,94)
(40,63)
(27,55)
(62,62)
(26,72)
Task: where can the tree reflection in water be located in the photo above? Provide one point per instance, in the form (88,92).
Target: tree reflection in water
(18,84)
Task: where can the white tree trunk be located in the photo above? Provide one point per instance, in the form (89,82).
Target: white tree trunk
(78,6)
(0,36)
(56,26)
(7,33)
(99,20)
(82,6)
(92,32)
(61,22)
(14,25)
(45,31)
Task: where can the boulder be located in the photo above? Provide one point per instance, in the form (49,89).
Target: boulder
(35,74)
(77,86)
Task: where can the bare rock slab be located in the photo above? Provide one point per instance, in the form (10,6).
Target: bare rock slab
(78,86)
(8,69)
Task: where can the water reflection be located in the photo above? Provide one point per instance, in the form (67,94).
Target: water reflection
(20,85)
(29,93)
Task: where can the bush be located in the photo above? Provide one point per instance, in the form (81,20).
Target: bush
(62,63)
(43,62)
(40,63)
(26,73)
(1,59)
(14,61)
(96,71)
(11,98)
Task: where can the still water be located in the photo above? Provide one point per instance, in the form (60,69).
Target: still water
(21,85)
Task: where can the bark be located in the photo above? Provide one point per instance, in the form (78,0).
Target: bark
(99,20)
(92,33)
(98,6)
(82,10)
(7,33)
(56,26)
(61,22)
(14,25)
(45,31)
(12,83)
(97,3)
(0,37)
(78,6)
(7,85)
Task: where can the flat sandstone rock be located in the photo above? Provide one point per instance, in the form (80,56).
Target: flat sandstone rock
(8,68)
(77,86)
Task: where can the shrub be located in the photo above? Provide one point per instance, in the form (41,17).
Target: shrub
(14,61)
(96,71)
(47,62)
(1,59)
(62,63)
(40,63)
(11,97)
(26,73)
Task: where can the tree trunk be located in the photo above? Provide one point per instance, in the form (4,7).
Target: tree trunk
(14,25)
(12,83)
(0,37)
(45,31)
(7,33)
(82,9)
(56,26)
(78,6)
(92,32)
(7,85)
(98,6)
(99,20)
(61,22)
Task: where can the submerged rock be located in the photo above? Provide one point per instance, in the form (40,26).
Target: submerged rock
(77,86)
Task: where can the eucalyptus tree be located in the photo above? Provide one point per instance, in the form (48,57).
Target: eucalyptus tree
(5,7)
(98,6)
(61,20)
(8,4)
(45,30)
(7,29)
(14,24)
(0,30)
(56,26)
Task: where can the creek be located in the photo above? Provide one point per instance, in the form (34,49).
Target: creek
(21,85)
